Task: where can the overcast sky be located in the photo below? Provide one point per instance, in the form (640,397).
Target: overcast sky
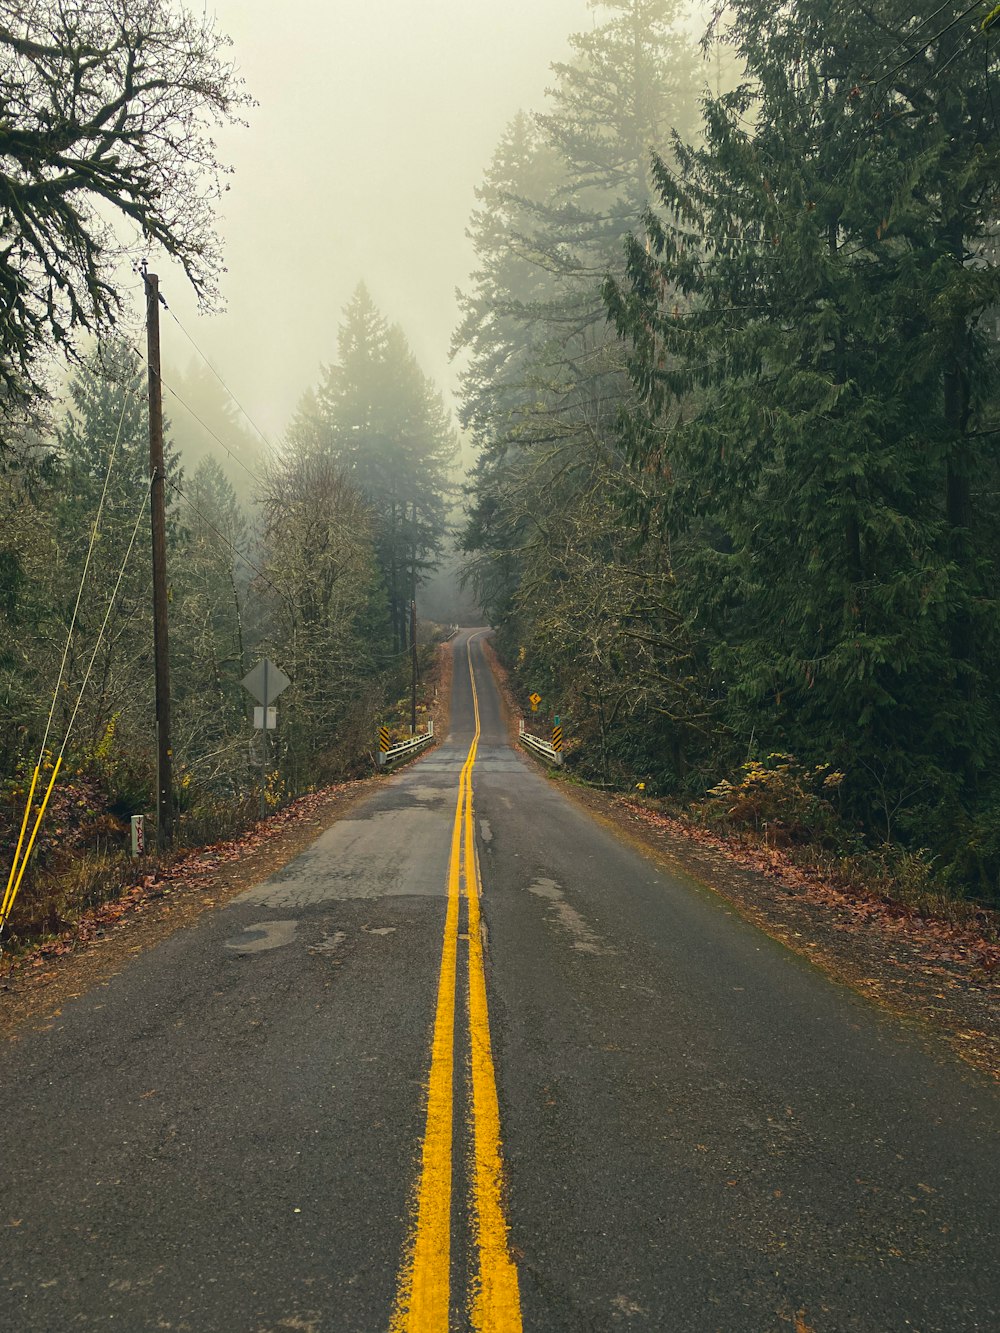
(375,124)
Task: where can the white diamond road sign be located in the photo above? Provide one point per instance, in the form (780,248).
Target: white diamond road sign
(266,681)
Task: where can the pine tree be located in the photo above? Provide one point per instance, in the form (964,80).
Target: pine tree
(385,425)
(811,308)
(207,633)
(321,613)
(545,378)
(108,414)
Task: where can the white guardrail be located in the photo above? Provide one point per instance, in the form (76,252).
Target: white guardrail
(405,749)
(544,749)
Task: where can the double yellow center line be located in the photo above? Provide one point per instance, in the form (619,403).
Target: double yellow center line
(423,1296)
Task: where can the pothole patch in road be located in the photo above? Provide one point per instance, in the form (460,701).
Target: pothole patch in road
(262,936)
(424,795)
(486,830)
(623,1305)
(568,917)
(329,943)
(379,930)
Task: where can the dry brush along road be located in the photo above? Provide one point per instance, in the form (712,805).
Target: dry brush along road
(472,1060)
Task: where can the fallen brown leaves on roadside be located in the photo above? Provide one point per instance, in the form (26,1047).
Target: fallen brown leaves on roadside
(943,974)
(941,940)
(170,894)
(501,680)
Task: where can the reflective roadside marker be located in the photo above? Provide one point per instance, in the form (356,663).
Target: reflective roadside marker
(383,739)
(557,739)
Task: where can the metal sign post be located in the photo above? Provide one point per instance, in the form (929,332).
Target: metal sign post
(265,682)
(138,835)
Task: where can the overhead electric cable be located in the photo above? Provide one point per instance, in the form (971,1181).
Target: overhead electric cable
(930,42)
(83,576)
(19,867)
(107,614)
(264,440)
(95,529)
(240,555)
(208,429)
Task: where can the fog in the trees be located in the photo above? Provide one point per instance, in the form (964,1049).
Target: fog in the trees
(373,128)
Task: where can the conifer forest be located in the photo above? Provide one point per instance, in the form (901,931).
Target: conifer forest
(731,359)
(500,666)
(720,469)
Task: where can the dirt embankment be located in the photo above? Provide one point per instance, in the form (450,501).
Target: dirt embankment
(945,978)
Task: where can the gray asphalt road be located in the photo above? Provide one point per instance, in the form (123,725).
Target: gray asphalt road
(699,1131)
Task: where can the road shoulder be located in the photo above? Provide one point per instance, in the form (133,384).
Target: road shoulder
(926,973)
(35,985)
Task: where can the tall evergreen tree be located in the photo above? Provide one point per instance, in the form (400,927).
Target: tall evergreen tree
(386,427)
(545,378)
(207,633)
(108,415)
(811,300)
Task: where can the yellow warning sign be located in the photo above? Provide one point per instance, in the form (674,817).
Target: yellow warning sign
(534,700)
(383,739)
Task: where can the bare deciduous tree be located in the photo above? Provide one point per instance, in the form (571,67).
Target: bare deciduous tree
(108,112)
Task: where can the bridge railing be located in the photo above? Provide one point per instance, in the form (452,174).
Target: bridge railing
(543,749)
(392,754)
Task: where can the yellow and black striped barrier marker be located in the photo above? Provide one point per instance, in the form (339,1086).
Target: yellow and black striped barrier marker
(383,739)
(557,739)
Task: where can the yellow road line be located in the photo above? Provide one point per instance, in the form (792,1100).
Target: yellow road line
(422,1300)
(496,1302)
(423,1288)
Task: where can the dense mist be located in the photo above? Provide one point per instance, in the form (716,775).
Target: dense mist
(373,127)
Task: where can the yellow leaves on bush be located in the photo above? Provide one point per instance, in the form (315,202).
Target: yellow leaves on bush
(779,794)
(103,747)
(276,791)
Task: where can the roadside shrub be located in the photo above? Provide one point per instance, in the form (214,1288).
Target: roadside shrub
(128,777)
(780,799)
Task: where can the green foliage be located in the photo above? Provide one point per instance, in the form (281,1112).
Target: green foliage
(323,614)
(767,519)
(807,321)
(779,797)
(378,418)
(592,610)
(108,112)
(304,590)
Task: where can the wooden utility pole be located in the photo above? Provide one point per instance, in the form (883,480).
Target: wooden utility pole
(413,664)
(161,657)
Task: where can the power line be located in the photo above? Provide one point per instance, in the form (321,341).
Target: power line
(930,42)
(86,566)
(240,555)
(922,24)
(208,429)
(264,440)
(19,866)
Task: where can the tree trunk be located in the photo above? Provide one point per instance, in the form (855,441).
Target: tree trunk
(959,479)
